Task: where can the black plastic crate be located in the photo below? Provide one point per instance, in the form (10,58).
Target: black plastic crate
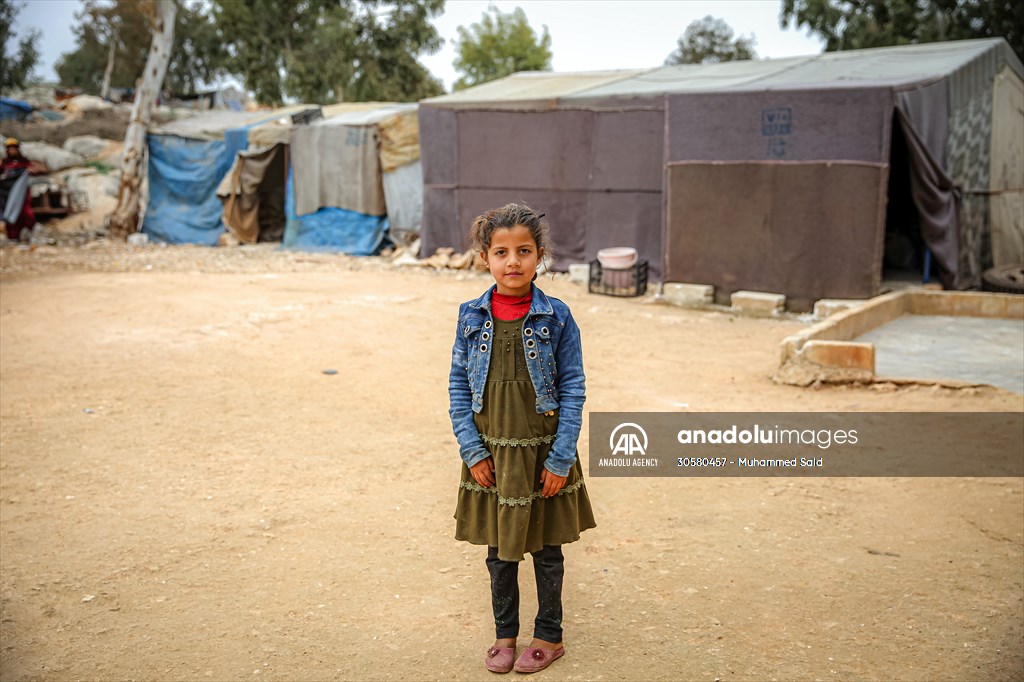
(626,282)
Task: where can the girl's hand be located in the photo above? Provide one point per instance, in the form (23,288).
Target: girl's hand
(483,472)
(552,483)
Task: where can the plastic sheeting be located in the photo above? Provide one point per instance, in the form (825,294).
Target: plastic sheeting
(183,178)
(332,229)
(187,161)
(14,109)
(399,140)
(403,194)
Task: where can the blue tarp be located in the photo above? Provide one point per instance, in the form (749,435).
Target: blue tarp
(331,229)
(183,177)
(14,109)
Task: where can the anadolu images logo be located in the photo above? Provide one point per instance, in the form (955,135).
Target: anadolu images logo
(630,442)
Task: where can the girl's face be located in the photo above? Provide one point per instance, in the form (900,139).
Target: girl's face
(513,258)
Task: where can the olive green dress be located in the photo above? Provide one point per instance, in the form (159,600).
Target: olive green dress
(512,515)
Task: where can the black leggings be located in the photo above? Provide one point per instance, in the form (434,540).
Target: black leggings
(549,568)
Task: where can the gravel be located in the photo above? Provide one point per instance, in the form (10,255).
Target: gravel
(83,252)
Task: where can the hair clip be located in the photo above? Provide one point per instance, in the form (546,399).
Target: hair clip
(541,216)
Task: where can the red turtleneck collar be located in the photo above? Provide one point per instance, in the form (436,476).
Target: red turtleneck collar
(510,307)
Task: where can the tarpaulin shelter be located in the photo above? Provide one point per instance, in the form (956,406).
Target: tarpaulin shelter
(775,175)
(253,189)
(187,160)
(14,109)
(354,175)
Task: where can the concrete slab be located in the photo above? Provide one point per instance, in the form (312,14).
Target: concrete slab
(579,273)
(758,302)
(688,294)
(829,306)
(972,349)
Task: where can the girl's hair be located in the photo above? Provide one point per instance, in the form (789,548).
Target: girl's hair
(509,216)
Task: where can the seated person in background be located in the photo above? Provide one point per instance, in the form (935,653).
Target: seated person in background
(12,167)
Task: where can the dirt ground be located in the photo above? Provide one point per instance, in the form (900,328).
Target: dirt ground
(186,495)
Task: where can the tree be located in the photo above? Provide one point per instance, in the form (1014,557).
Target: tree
(709,41)
(113,42)
(498,46)
(125,218)
(330,50)
(387,54)
(855,24)
(16,68)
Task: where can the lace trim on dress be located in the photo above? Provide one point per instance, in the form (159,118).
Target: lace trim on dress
(518,501)
(515,442)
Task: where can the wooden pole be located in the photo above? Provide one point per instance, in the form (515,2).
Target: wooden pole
(125,218)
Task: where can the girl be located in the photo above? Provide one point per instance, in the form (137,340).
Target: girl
(517,390)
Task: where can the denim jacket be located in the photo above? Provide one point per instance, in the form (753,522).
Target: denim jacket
(554,358)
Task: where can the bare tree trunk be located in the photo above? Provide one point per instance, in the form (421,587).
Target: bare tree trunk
(105,88)
(125,218)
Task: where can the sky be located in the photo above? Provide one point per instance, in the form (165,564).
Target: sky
(586,35)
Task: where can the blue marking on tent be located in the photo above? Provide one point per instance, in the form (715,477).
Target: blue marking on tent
(776,121)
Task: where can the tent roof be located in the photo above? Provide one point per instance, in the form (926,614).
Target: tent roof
(381,111)
(212,125)
(963,61)
(531,86)
(278,130)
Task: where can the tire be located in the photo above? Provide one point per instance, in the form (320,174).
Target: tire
(1008,279)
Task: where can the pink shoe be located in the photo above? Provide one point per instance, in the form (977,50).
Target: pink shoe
(499,659)
(534,659)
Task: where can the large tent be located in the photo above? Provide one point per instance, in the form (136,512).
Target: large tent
(785,175)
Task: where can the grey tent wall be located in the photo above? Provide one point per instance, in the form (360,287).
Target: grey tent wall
(441,225)
(596,174)
(780,191)
(808,229)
